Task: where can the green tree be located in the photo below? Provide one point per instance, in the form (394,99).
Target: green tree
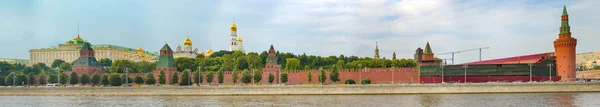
(150,79)
(220,76)
(105,80)
(340,64)
(65,66)
(115,79)
(292,64)
(366,81)
(138,80)
(31,79)
(271,78)
(234,77)
(185,78)
(254,61)
(118,66)
(57,62)
(21,79)
(183,63)
(63,78)
(257,76)
(105,62)
(73,78)
(174,78)
(209,77)
(145,66)
(84,79)
(42,79)
(246,77)
(284,77)
(126,79)
(52,79)
(95,80)
(322,76)
(9,79)
(308,77)
(162,79)
(334,75)
(197,77)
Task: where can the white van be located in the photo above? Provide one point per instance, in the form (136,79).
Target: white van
(53,85)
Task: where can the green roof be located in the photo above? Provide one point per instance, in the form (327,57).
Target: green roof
(86,46)
(565,10)
(428,49)
(564,26)
(166,47)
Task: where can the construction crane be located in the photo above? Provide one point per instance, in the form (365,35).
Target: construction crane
(465,51)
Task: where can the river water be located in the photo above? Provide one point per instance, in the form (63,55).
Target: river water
(409,100)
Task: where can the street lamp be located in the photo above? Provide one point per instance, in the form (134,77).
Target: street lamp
(126,76)
(279,72)
(14,79)
(466,66)
(199,73)
(442,66)
(58,73)
(530,72)
(550,71)
(360,74)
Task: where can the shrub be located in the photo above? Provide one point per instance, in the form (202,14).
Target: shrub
(284,77)
(185,78)
(322,77)
(334,75)
(257,76)
(73,78)
(174,78)
(198,77)
(138,80)
(308,76)
(271,78)
(84,79)
(115,79)
(220,76)
(105,80)
(365,81)
(150,79)
(349,81)
(209,77)
(95,80)
(234,76)
(162,78)
(246,77)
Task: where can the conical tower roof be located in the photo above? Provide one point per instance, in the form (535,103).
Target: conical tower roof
(166,48)
(427,49)
(86,46)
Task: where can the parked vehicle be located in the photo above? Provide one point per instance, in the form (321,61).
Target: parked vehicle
(53,84)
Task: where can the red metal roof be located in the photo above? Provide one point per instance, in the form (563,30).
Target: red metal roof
(534,58)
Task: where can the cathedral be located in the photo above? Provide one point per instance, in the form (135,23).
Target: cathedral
(187,49)
(235,41)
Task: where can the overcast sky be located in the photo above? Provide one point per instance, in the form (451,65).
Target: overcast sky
(328,27)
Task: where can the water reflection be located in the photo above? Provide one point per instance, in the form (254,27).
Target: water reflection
(411,100)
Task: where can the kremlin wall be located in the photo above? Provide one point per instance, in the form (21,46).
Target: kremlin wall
(552,66)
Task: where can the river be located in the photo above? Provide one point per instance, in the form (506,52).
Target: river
(407,100)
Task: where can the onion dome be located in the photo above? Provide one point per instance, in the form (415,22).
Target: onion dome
(239,39)
(187,42)
(233,27)
(140,49)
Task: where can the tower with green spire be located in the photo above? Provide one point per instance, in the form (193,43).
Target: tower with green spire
(564,50)
(166,63)
(86,63)
(428,58)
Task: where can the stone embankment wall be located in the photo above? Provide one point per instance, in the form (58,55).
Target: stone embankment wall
(305,90)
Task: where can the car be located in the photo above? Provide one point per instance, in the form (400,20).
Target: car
(53,84)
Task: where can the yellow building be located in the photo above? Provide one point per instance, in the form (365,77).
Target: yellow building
(69,52)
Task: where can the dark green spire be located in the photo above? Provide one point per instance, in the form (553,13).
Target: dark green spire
(428,49)
(376,46)
(565,10)
(86,46)
(166,47)
(271,48)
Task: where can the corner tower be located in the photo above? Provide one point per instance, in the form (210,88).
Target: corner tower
(564,50)
(271,65)
(165,63)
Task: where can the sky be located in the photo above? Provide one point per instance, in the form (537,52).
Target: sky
(315,27)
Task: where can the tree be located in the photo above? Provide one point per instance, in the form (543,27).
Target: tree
(284,77)
(220,76)
(234,76)
(322,77)
(246,77)
(253,60)
(63,78)
(21,79)
(292,64)
(138,80)
(73,78)
(31,79)
(105,62)
(9,79)
(84,79)
(162,77)
(126,79)
(271,78)
(105,80)
(209,77)
(145,66)
(185,78)
(334,74)
(57,62)
(95,80)
(257,76)
(52,79)
(340,64)
(42,78)
(197,77)
(150,79)
(115,79)
(65,66)
(174,78)
(308,76)
(118,66)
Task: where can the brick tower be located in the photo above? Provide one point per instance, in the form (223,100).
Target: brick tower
(86,63)
(165,63)
(564,50)
(271,65)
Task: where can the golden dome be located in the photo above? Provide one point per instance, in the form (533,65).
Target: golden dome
(233,27)
(140,49)
(239,39)
(78,38)
(187,42)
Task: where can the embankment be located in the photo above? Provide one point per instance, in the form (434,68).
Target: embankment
(305,90)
